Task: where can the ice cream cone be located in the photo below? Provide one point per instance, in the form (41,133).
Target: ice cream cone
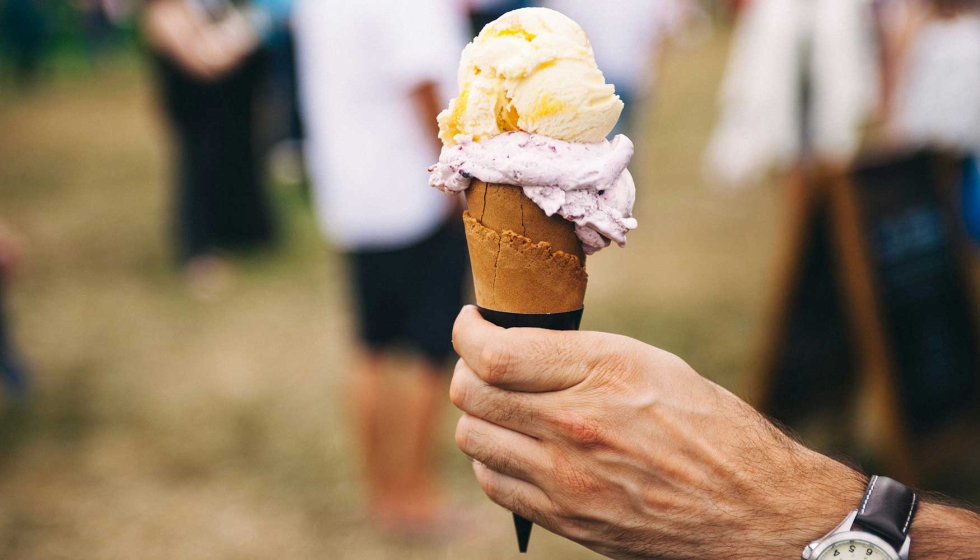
(528,269)
(523,260)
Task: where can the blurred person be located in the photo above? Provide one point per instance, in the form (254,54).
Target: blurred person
(628,38)
(12,372)
(210,60)
(933,50)
(932,95)
(119,11)
(801,84)
(284,82)
(98,27)
(283,115)
(736,6)
(625,449)
(24,36)
(372,76)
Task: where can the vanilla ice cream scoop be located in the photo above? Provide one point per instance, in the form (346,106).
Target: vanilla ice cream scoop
(533,69)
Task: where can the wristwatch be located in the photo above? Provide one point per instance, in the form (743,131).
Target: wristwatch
(877,530)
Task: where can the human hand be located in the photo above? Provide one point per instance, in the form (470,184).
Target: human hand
(625,449)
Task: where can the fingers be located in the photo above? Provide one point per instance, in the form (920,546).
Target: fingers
(518,496)
(520,412)
(502,450)
(526,360)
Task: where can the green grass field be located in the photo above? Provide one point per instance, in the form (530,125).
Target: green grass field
(162,427)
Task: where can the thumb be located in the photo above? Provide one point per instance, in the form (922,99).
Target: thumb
(524,359)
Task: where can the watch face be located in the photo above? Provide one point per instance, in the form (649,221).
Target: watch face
(854,550)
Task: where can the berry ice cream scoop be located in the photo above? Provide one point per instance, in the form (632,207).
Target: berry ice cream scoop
(585,183)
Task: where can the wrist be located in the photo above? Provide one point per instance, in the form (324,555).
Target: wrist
(944,531)
(815,494)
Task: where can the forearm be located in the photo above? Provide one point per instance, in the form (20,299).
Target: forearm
(427,103)
(811,496)
(939,531)
(942,532)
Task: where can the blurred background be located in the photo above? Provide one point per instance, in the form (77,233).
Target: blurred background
(175,391)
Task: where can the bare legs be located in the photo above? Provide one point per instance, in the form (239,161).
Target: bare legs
(208,276)
(367,399)
(397,421)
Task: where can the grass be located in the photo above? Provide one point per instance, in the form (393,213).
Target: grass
(164,428)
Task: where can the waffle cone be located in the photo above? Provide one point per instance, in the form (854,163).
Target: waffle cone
(523,260)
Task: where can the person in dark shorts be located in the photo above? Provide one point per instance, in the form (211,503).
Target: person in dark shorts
(369,94)
(410,296)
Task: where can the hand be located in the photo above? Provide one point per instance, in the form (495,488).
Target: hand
(625,449)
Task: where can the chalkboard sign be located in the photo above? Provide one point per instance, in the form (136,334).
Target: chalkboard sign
(813,363)
(875,294)
(910,233)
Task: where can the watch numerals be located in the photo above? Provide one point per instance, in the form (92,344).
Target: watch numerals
(853,550)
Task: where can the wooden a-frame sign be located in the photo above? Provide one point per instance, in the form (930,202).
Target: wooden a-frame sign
(874,320)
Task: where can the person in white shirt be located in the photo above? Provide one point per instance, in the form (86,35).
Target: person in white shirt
(373,75)
(627,37)
(933,54)
(801,85)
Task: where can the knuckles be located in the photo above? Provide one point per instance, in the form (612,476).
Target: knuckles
(619,361)
(583,430)
(516,409)
(475,444)
(496,361)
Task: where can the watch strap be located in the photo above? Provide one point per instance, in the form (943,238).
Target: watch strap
(887,510)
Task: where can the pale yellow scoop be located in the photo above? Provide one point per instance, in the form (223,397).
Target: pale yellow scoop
(533,70)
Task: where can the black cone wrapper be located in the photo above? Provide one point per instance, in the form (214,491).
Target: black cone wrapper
(568,321)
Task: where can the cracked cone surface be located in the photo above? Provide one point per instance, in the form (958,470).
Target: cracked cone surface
(523,260)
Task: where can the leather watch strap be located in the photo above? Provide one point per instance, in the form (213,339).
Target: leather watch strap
(887,510)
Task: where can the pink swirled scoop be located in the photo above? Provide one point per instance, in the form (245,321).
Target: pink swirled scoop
(585,183)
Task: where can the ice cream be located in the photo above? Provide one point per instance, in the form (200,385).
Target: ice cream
(534,112)
(526,141)
(533,70)
(587,184)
